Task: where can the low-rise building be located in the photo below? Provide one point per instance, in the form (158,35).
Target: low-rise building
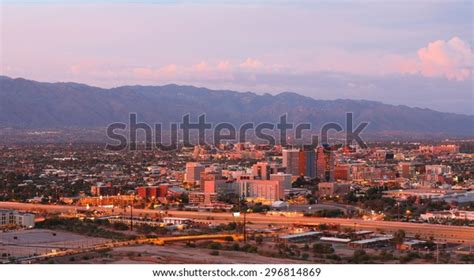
(11,217)
(332,188)
(266,191)
(301,237)
(176,221)
(104,190)
(371,242)
(152,192)
(454,214)
(198,198)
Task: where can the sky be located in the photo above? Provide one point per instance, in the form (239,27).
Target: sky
(414,53)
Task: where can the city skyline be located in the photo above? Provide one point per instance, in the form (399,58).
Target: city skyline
(238,139)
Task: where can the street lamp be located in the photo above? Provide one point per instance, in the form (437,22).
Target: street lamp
(398,211)
(131,215)
(408,212)
(245,223)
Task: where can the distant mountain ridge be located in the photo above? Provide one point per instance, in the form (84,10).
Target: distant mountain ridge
(31,104)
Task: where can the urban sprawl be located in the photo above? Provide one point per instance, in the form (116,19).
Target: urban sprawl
(391,202)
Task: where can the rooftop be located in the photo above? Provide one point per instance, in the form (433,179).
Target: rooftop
(304,234)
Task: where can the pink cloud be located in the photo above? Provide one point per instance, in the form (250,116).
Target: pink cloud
(223,65)
(143,72)
(399,63)
(452,59)
(251,63)
(84,66)
(168,70)
(201,67)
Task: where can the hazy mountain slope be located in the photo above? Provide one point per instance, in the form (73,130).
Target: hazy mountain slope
(30,104)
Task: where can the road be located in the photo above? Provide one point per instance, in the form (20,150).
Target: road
(458,234)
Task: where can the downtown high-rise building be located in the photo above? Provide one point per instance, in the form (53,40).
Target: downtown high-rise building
(193,172)
(325,161)
(299,162)
(291,161)
(307,163)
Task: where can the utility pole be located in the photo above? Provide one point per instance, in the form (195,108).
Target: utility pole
(437,252)
(131,216)
(398,211)
(245,229)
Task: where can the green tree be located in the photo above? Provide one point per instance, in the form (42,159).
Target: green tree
(399,236)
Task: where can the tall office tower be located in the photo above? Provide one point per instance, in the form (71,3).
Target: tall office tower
(325,164)
(193,172)
(307,163)
(291,161)
(261,170)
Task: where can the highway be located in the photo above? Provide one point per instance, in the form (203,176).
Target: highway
(457,234)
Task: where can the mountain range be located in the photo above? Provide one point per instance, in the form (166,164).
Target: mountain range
(38,105)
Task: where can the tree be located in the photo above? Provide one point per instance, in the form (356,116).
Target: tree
(214,246)
(184,198)
(11,177)
(322,248)
(351,197)
(300,181)
(399,236)
(360,256)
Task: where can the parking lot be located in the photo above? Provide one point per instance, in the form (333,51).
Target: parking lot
(25,243)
